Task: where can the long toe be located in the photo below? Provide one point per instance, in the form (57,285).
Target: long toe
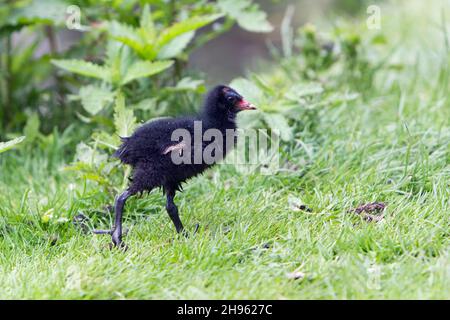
(95,231)
(116,239)
(196,228)
(117,242)
(121,246)
(187,234)
(110,232)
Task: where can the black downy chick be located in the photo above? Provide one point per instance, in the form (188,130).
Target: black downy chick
(149,152)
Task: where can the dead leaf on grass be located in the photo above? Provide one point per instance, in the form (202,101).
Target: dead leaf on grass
(366,211)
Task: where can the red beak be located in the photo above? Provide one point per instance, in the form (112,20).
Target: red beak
(245,105)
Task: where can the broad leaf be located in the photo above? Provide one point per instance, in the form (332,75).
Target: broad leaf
(106,139)
(142,41)
(118,60)
(278,122)
(4,146)
(126,34)
(183,27)
(84,68)
(188,84)
(145,105)
(86,154)
(176,46)
(254,21)
(124,119)
(250,120)
(248,90)
(38,11)
(301,90)
(147,25)
(141,69)
(247,15)
(171,41)
(31,129)
(22,56)
(94,98)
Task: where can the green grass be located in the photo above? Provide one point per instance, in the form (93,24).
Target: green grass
(393,147)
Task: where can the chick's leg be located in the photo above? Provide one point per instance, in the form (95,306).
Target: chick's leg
(116,232)
(117,229)
(172,210)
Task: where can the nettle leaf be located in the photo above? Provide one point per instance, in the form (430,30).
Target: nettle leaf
(176,46)
(4,146)
(141,69)
(279,123)
(117,29)
(147,25)
(249,90)
(38,11)
(127,35)
(124,119)
(171,41)
(22,56)
(31,129)
(84,68)
(188,84)
(254,21)
(118,59)
(338,98)
(145,105)
(302,90)
(86,154)
(105,139)
(250,120)
(94,98)
(247,15)
(182,27)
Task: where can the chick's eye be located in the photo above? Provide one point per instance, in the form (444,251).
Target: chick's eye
(231,99)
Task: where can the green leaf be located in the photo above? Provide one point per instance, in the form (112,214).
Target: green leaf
(188,84)
(106,139)
(127,35)
(300,91)
(124,119)
(287,32)
(88,155)
(38,11)
(118,60)
(143,69)
(171,42)
(23,56)
(254,21)
(247,120)
(84,68)
(94,98)
(4,146)
(278,122)
(183,27)
(147,25)
(176,46)
(141,40)
(31,129)
(247,15)
(145,105)
(248,90)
